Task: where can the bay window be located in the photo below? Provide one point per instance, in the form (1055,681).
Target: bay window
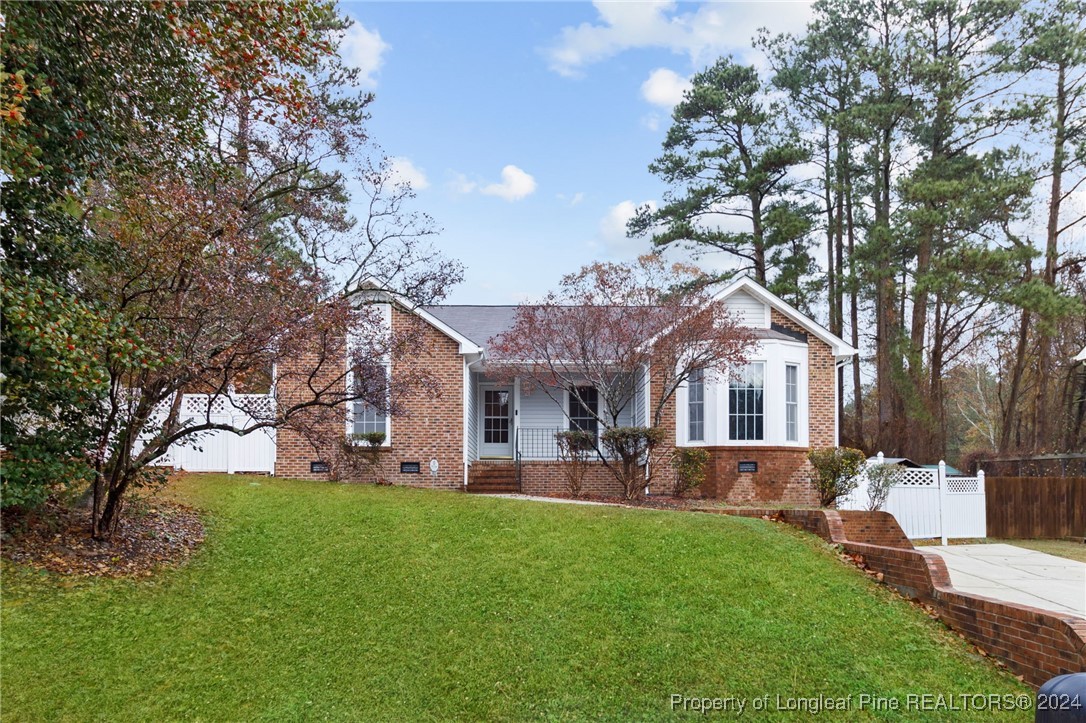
(746,403)
(791,403)
(695,396)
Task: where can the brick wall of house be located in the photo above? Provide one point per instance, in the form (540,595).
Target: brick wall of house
(294,451)
(821,386)
(430,427)
(783,475)
(547,478)
(1036,644)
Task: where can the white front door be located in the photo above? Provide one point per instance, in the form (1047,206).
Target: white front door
(496,421)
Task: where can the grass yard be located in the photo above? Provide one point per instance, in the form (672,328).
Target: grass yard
(1059,548)
(316,600)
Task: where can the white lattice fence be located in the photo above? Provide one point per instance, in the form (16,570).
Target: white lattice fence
(928,504)
(220,450)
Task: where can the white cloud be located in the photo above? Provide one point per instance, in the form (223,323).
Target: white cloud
(515,185)
(363,49)
(460,183)
(404,171)
(711,30)
(574,200)
(611,236)
(664,88)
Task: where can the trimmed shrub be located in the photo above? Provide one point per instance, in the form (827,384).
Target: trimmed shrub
(691,465)
(835,472)
(575,449)
(631,446)
(881,478)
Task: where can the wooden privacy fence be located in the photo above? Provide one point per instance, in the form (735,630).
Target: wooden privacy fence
(1036,507)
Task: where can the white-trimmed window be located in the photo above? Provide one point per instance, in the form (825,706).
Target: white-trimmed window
(695,405)
(583,409)
(370,383)
(746,403)
(791,402)
(368,419)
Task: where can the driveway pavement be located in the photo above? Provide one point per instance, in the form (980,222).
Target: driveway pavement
(1017,575)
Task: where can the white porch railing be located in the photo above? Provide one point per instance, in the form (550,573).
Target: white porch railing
(928,504)
(219,450)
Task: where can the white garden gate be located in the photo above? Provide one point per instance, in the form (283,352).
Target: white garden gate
(928,504)
(220,450)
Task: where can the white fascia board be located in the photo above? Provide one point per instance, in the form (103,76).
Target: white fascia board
(841,348)
(467,346)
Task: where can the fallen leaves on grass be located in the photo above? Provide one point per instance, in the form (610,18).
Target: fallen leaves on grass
(159,533)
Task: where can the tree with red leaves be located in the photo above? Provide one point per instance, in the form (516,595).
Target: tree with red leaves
(606,328)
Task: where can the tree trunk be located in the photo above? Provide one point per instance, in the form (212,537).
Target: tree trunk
(827,199)
(1043,440)
(758,239)
(854,324)
(885,308)
(1010,407)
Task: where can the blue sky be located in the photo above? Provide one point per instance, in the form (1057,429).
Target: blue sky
(527,128)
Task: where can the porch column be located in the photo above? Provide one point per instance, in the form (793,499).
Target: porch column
(516,415)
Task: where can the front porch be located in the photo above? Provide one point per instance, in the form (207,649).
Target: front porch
(513,421)
(536,447)
(512,434)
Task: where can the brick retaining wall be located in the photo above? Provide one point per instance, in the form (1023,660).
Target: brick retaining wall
(1036,644)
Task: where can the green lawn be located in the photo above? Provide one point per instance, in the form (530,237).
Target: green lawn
(316,600)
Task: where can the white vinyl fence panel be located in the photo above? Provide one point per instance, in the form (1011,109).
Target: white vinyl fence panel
(927,503)
(220,450)
(964,507)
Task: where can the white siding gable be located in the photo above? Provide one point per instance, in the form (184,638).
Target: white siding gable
(748,310)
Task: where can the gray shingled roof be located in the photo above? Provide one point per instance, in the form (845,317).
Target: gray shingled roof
(483,323)
(478,323)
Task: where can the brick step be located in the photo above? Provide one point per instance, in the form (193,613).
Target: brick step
(492,488)
(492,481)
(492,473)
(493,468)
(493,478)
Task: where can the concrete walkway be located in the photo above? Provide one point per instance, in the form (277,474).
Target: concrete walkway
(1017,575)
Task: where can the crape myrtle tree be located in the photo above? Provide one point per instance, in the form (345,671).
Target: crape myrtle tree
(197,300)
(605,327)
(194,261)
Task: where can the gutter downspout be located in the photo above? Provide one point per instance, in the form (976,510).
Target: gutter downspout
(837,367)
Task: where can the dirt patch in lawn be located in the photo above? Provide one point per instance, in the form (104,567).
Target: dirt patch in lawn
(152,534)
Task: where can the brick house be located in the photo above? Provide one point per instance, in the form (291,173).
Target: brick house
(482,433)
